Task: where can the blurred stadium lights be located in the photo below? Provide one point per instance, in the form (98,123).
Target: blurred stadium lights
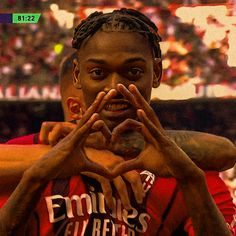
(216,23)
(64,18)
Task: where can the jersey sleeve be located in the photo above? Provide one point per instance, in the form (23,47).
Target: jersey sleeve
(28,139)
(223,200)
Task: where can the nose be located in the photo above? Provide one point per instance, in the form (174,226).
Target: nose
(112,81)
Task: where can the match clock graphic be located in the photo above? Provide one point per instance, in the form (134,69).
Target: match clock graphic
(19,18)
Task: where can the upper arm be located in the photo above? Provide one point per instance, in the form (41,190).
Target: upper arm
(208,151)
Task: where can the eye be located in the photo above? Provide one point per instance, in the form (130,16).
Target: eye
(97,73)
(135,72)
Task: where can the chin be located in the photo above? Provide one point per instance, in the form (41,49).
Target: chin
(129,144)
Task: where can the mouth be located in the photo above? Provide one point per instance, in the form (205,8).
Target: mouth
(119,106)
(116,109)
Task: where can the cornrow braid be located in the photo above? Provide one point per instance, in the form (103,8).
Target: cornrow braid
(124,20)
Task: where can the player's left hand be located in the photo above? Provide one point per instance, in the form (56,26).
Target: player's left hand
(161,156)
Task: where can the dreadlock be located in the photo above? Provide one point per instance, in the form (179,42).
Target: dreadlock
(124,20)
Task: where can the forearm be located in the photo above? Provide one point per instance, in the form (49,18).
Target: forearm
(16,211)
(15,159)
(205,215)
(207,151)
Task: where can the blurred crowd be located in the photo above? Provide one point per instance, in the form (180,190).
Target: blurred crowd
(31,53)
(215,116)
(22,118)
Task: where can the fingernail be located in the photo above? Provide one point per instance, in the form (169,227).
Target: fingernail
(128,208)
(100,94)
(131,86)
(140,200)
(111,91)
(95,116)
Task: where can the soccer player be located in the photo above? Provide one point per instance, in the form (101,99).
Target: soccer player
(118,63)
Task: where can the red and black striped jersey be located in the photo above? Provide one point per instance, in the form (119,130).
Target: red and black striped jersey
(76,206)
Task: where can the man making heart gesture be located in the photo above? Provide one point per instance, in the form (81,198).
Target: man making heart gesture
(118,63)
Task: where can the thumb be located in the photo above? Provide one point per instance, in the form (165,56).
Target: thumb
(126,166)
(93,167)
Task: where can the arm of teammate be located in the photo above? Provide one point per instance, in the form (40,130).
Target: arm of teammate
(207,151)
(168,160)
(15,159)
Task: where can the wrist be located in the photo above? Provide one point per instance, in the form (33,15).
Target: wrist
(32,177)
(194,177)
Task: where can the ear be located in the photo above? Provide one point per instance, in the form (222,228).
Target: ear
(74,107)
(76,78)
(157,67)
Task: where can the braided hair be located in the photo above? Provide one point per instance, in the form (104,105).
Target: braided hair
(123,20)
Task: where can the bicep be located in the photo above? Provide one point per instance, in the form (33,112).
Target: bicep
(208,151)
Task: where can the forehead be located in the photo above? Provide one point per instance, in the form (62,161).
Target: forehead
(115,45)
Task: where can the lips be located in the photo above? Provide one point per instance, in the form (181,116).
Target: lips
(117,106)
(116,111)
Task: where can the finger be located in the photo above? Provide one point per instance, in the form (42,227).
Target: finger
(137,100)
(101,126)
(145,132)
(128,95)
(92,109)
(46,127)
(106,187)
(128,124)
(53,136)
(80,134)
(122,191)
(133,177)
(107,191)
(87,165)
(143,104)
(133,164)
(157,134)
(59,131)
(111,93)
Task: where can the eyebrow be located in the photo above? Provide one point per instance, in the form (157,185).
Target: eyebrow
(129,60)
(135,59)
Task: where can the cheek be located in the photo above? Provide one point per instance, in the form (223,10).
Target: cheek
(145,89)
(146,93)
(90,91)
